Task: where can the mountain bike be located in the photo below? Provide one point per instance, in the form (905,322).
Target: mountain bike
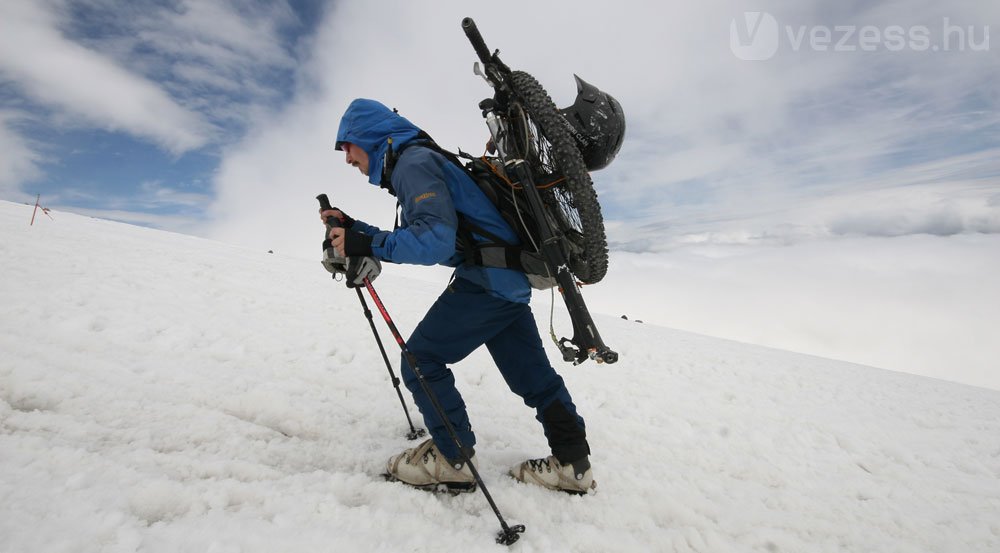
(538,152)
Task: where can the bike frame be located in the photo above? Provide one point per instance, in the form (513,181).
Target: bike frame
(586,342)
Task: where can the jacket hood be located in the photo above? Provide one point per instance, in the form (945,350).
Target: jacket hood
(369,125)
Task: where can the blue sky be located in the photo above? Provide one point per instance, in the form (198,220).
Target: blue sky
(170,114)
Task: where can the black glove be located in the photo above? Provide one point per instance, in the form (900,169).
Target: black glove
(346,220)
(357,244)
(361,267)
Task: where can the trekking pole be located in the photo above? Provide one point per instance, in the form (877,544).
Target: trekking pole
(414,432)
(508,534)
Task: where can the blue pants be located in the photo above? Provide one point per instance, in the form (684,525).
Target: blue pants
(463,318)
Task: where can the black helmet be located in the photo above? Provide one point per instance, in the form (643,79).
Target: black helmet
(598,124)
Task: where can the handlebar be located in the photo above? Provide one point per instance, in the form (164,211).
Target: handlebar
(471,31)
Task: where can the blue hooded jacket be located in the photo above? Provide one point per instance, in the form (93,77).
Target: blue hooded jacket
(431,192)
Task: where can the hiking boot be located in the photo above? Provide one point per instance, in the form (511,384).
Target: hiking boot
(575,478)
(424,467)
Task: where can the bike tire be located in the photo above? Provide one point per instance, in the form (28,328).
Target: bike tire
(573,203)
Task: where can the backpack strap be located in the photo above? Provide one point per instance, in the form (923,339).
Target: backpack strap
(497,252)
(392,156)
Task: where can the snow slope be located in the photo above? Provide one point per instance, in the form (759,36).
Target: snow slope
(163,393)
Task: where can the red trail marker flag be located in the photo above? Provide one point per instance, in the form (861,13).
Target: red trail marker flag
(45,210)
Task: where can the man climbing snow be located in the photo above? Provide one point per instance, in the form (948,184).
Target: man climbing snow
(481,305)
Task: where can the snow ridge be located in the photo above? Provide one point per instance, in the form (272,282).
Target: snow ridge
(160,392)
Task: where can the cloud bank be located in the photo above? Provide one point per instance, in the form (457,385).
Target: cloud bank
(805,144)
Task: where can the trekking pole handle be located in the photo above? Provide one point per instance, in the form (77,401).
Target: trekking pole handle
(324,205)
(471,31)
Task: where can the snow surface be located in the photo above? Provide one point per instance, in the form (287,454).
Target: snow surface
(160,392)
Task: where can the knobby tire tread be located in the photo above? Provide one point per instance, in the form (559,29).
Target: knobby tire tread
(591,264)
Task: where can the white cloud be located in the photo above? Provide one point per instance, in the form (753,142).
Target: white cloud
(240,30)
(940,197)
(150,197)
(918,304)
(708,134)
(60,73)
(209,50)
(183,224)
(156,194)
(19,161)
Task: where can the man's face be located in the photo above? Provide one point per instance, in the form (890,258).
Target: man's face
(356,156)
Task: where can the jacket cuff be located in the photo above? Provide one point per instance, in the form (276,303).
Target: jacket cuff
(356,243)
